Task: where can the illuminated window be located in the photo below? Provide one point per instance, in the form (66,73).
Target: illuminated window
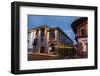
(51,47)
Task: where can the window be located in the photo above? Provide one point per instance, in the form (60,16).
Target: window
(80,46)
(36,32)
(77,32)
(42,31)
(52,34)
(35,42)
(83,32)
(28,41)
(42,39)
(86,44)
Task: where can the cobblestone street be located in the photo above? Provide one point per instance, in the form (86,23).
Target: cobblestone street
(41,57)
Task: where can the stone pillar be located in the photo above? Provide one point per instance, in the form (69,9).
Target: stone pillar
(30,39)
(47,40)
(39,41)
(34,36)
(56,34)
(29,35)
(56,39)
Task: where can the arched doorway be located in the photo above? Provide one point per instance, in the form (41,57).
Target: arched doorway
(42,49)
(51,47)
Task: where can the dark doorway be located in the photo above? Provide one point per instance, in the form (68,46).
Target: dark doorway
(42,50)
(35,42)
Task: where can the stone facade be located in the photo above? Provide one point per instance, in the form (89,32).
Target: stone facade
(48,40)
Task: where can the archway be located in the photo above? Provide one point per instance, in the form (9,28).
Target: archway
(51,47)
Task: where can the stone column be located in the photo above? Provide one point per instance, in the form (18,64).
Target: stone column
(34,36)
(39,41)
(47,40)
(30,39)
(56,39)
(56,34)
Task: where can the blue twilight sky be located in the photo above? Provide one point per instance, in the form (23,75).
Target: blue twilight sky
(64,22)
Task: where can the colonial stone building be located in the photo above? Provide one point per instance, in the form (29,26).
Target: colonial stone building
(53,41)
(80,28)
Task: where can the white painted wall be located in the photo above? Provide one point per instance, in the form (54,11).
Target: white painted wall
(5,35)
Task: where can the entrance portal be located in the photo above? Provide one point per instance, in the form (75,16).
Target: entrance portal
(42,50)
